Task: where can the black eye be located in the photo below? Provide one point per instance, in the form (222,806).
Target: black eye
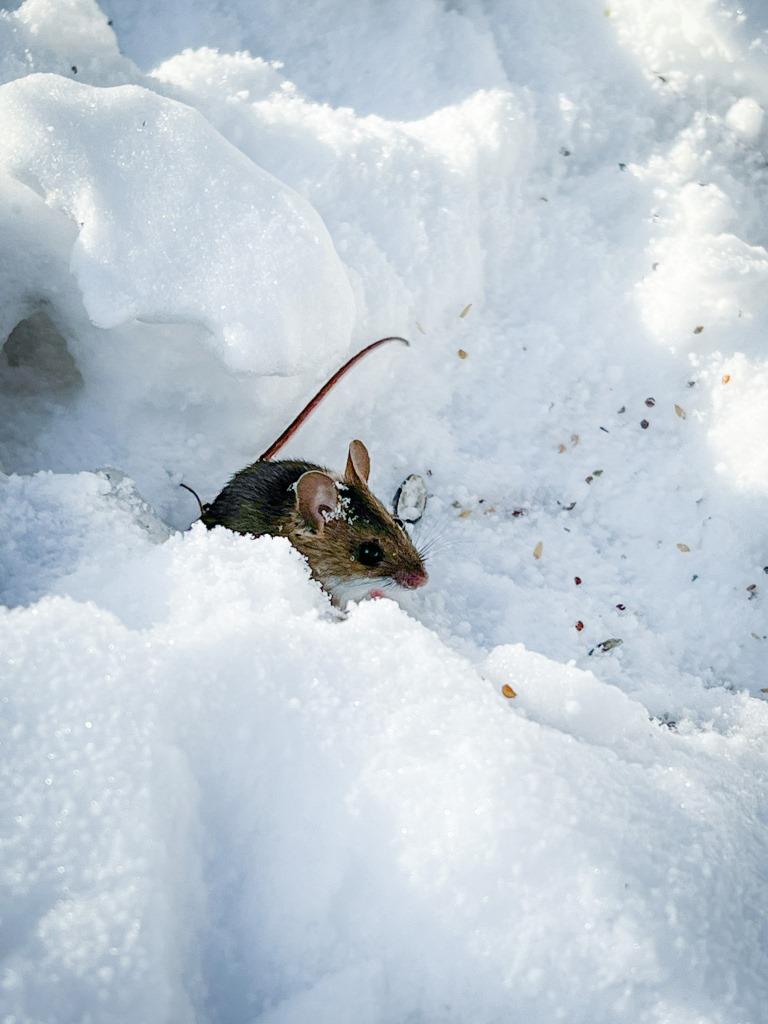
(369,553)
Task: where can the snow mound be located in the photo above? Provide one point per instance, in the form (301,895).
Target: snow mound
(535,790)
(231,248)
(251,806)
(148,266)
(410,204)
(67,37)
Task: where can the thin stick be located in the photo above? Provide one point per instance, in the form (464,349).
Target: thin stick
(290,430)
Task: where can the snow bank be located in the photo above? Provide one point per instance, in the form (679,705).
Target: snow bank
(158,256)
(409,205)
(259,809)
(231,248)
(221,802)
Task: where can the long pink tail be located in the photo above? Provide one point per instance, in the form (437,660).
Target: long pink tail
(291,429)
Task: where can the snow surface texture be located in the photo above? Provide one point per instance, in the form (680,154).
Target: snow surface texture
(219,803)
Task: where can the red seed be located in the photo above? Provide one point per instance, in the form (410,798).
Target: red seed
(577,580)
(579,625)
(650,402)
(644,424)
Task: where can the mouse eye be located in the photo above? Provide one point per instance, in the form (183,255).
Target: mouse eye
(369,553)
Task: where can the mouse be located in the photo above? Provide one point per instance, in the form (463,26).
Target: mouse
(354,545)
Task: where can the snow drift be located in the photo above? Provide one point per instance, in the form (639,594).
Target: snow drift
(220,802)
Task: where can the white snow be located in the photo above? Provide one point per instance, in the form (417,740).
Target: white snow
(220,802)
(745,117)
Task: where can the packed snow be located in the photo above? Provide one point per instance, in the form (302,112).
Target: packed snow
(535,790)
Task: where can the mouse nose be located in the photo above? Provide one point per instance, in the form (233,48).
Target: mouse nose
(412,580)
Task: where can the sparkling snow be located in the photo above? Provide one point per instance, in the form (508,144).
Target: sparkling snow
(221,803)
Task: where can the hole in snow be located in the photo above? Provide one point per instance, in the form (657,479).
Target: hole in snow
(39,353)
(39,378)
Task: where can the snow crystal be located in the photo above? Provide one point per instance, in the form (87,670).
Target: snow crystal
(534,790)
(745,117)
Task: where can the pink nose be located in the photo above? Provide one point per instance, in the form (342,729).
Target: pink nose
(412,580)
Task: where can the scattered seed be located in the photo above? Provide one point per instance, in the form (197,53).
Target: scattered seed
(682,547)
(589,479)
(508,691)
(679,411)
(577,580)
(605,430)
(607,645)
(465,513)
(462,354)
(597,472)
(757,637)
(654,266)
(464,311)
(644,424)
(699,329)
(765,569)
(694,577)
(564,151)
(489,511)
(752,586)
(538,549)
(650,402)
(575,439)
(621,607)
(74,69)
(691,383)
(516,512)
(561,448)
(622,409)
(622,167)
(579,626)
(569,508)
(543,199)
(764,689)
(726,378)
(420,327)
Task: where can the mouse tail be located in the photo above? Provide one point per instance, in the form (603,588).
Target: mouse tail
(203,507)
(291,429)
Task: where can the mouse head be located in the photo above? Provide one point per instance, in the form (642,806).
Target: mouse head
(349,538)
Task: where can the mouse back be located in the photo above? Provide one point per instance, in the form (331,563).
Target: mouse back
(349,538)
(259,499)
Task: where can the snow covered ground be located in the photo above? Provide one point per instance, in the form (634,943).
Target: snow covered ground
(221,804)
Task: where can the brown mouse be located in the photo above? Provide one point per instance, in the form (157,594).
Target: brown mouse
(352,543)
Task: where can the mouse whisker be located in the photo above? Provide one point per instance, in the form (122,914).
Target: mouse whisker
(423,534)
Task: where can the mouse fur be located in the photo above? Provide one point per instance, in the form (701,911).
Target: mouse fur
(350,540)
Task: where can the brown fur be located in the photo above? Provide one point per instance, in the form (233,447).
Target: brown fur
(326,517)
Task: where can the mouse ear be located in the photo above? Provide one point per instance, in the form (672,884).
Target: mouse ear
(316,494)
(358,464)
